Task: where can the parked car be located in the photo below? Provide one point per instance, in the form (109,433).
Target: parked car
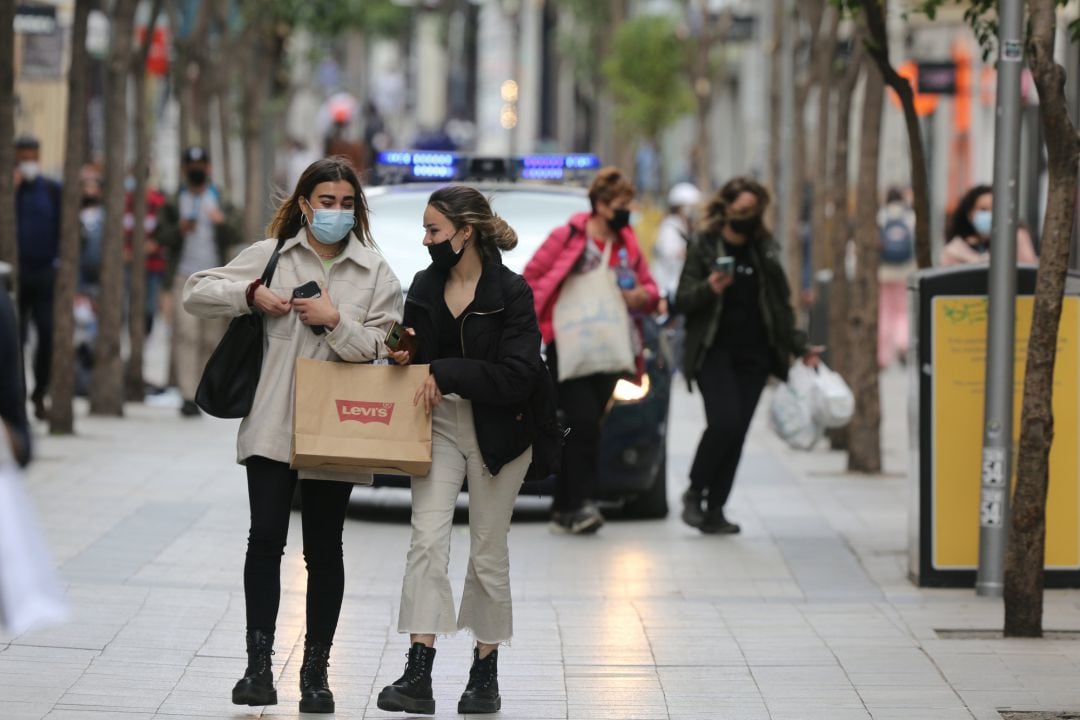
(634,434)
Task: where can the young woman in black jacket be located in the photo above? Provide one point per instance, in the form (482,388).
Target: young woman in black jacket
(473,322)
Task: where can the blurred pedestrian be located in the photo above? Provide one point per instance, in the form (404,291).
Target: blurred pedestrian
(16,426)
(969,232)
(740,328)
(475,326)
(91,235)
(155,264)
(323,232)
(196,234)
(669,255)
(37,209)
(576,248)
(669,252)
(31,594)
(896,222)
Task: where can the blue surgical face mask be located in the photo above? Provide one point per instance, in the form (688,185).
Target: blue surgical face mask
(982,221)
(332,226)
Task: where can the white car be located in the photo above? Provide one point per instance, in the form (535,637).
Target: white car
(633,440)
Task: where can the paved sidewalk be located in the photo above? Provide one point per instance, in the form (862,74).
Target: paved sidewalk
(807,614)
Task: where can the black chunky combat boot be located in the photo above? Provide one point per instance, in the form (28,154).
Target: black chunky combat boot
(482,693)
(315,695)
(257,685)
(411,692)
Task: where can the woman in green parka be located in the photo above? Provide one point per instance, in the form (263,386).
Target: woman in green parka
(740,328)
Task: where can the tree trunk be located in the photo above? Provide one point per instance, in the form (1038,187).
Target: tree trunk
(255,91)
(62,384)
(134,382)
(920,189)
(701,83)
(838,351)
(796,198)
(223,97)
(776,79)
(9,244)
(107,386)
(1024,558)
(864,431)
(179,72)
(824,50)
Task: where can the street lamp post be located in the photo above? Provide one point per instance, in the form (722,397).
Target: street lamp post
(997,460)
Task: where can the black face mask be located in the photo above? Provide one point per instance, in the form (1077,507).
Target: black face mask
(443,255)
(620,220)
(196,177)
(746,227)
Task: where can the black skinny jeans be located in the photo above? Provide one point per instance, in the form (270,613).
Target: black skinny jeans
(583,402)
(731,386)
(36,288)
(270,491)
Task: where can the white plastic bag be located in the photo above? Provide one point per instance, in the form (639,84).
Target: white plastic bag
(30,591)
(791,413)
(834,403)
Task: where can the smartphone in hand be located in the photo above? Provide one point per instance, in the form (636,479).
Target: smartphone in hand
(398,338)
(310,289)
(725,265)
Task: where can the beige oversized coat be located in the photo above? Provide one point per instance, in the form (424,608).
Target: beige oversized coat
(365,292)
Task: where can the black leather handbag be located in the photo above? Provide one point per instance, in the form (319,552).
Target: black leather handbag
(231,375)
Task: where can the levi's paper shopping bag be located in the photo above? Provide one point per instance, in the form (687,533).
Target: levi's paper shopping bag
(360,417)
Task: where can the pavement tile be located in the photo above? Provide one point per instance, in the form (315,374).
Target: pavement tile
(808,614)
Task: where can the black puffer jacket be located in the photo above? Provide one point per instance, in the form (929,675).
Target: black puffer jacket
(501,349)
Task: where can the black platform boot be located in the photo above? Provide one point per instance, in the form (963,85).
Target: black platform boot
(482,693)
(315,695)
(257,685)
(411,692)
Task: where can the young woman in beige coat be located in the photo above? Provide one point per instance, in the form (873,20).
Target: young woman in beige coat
(323,233)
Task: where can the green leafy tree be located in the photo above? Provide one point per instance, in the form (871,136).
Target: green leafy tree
(646,73)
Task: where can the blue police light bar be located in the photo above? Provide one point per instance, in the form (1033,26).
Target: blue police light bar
(556,167)
(417,158)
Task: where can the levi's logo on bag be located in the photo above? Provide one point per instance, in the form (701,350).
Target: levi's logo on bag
(365,412)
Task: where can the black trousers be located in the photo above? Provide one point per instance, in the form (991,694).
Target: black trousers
(36,289)
(582,402)
(270,491)
(731,386)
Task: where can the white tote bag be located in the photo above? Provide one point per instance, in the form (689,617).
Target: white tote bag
(30,592)
(593,331)
(834,403)
(791,413)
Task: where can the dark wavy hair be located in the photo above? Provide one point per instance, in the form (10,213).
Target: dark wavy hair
(959,223)
(289,218)
(463,205)
(716,209)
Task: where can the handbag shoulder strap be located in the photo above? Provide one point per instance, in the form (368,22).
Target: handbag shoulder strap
(271,264)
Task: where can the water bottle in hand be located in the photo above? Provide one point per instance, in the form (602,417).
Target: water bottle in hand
(625,274)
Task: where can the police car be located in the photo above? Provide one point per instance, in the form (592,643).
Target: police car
(534,194)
